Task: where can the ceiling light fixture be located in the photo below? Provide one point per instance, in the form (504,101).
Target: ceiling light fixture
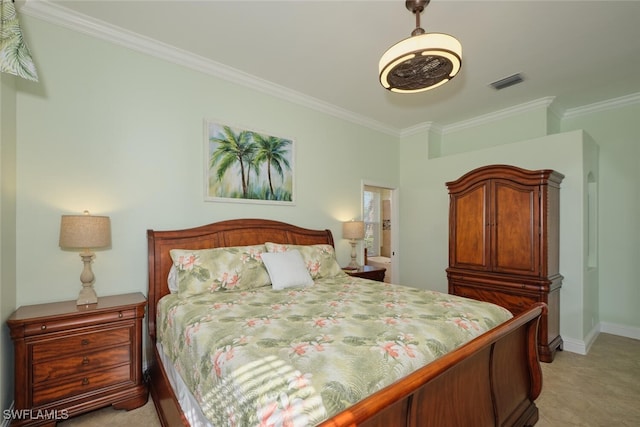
(421,62)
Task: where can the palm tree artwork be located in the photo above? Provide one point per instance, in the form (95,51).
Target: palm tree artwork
(248,165)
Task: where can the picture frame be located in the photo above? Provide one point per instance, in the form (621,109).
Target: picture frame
(243,165)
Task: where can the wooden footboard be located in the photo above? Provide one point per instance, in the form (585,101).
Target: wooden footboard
(491,381)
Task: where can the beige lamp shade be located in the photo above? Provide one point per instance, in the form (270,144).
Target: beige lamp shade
(85,231)
(353,230)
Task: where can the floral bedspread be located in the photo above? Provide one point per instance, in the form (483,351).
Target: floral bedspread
(298,356)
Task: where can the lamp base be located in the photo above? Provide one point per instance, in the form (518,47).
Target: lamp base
(87,295)
(353,265)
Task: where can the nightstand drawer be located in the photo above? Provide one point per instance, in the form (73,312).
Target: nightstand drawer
(79,343)
(80,363)
(92,381)
(65,324)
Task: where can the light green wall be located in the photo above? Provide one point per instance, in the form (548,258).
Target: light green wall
(591,284)
(617,132)
(121,134)
(7,231)
(425,212)
(491,131)
(611,150)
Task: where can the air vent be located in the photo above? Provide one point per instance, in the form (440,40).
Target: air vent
(507,81)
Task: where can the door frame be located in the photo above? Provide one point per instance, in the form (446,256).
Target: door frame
(395,214)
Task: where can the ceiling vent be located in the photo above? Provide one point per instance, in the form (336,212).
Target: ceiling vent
(507,81)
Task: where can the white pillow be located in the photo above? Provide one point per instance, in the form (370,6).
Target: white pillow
(173,279)
(286,269)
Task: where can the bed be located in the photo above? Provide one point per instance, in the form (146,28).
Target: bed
(492,379)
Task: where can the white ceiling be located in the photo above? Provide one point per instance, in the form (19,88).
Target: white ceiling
(327,51)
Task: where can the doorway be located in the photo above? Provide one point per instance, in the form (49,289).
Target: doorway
(379,213)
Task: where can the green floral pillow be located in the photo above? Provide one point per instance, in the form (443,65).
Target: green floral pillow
(219,269)
(320,260)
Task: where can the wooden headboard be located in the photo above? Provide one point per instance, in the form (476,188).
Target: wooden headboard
(235,232)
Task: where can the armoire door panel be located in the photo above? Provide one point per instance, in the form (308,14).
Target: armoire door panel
(470,239)
(515,228)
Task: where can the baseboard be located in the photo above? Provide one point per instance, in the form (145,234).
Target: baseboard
(620,330)
(583,346)
(575,346)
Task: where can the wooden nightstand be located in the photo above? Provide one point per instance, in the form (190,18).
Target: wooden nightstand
(71,359)
(368,272)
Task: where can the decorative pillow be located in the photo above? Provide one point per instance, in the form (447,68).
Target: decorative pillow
(320,260)
(286,269)
(220,269)
(172,279)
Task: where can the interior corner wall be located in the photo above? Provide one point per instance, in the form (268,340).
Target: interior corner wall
(591,176)
(7,232)
(425,210)
(414,208)
(434,138)
(554,123)
(617,133)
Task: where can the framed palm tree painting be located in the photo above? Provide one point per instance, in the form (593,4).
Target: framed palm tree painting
(243,165)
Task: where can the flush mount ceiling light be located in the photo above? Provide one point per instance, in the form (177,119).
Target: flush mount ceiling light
(421,62)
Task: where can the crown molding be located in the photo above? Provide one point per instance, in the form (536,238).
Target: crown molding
(419,128)
(546,102)
(59,15)
(499,115)
(596,107)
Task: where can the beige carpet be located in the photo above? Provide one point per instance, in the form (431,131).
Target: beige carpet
(601,389)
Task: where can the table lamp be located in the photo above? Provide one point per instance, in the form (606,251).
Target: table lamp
(85,232)
(353,230)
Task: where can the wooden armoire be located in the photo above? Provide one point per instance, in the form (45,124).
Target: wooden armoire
(504,243)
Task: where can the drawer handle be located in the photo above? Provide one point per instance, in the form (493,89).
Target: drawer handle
(85,342)
(120,315)
(43,327)
(85,381)
(85,360)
